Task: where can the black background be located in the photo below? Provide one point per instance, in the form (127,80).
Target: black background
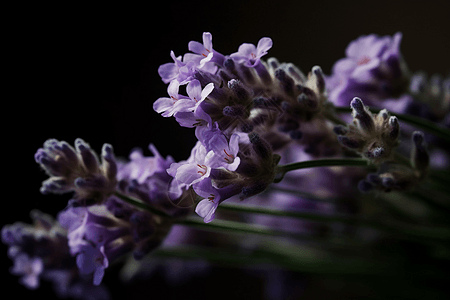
(91,72)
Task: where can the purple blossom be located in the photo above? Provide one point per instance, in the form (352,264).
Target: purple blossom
(373,69)
(196,93)
(30,268)
(206,51)
(40,251)
(186,173)
(90,241)
(197,118)
(146,178)
(141,168)
(170,105)
(250,55)
(206,208)
(77,170)
(178,70)
(363,55)
(225,151)
(178,103)
(196,168)
(93,260)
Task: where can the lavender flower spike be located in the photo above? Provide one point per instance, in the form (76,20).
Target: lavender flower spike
(250,55)
(373,136)
(77,170)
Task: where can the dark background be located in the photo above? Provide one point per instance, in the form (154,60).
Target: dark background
(91,72)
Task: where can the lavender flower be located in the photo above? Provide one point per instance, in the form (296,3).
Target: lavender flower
(373,69)
(196,168)
(250,55)
(178,70)
(373,136)
(237,128)
(77,170)
(206,51)
(91,232)
(394,176)
(142,168)
(224,151)
(224,171)
(29,268)
(270,98)
(40,252)
(197,118)
(168,106)
(206,208)
(179,103)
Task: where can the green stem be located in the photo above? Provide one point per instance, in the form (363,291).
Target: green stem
(237,227)
(299,215)
(297,259)
(327,162)
(419,234)
(302,194)
(419,122)
(245,228)
(141,205)
(390,227)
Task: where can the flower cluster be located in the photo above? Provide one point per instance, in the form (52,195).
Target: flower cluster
(77,170)
(394,176)
(98,226)
(41,251)
(373,70)
(242,108)
(373,136)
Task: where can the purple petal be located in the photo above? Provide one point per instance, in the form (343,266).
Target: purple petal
(194,90)
(85,263)
(176,189)
(168,72)
(207,90)
(192,173)
(360,45)
(98,276)
(183,105)
(246,50)
(263,46)
(196,47)
(186,119)
(344,66)
(201,114)
(172,170)
(207,209)
(163,104)
(234,144)
(207,41)
(234,165)
(173,88)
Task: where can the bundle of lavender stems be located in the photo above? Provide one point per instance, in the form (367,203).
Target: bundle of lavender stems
(293,173)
